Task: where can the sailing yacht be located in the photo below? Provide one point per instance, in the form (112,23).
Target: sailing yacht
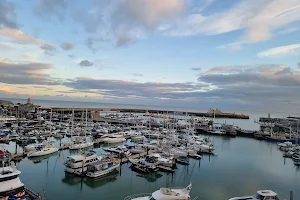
(43,151)
(114,138)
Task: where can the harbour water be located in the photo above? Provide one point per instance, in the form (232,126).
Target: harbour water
(241,167)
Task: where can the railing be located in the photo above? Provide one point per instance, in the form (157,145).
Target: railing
(137,196)
(34,195)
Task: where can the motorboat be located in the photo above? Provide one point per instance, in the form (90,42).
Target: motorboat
(296,157)
(168,162)
(163,194)
(10,182)
(102,168)
(216,129)
(77,164)
(120,150)
(260,195)
(148,164)
(114,138)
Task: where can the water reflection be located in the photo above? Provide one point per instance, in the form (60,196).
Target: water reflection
(152,177)
(39,159)
(72,180)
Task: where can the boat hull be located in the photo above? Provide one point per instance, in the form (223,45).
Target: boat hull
(102,173)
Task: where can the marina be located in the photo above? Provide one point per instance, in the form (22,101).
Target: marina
(154,150)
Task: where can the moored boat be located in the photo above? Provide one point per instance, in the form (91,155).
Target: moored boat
(164,194)
(102,168)
(260,195)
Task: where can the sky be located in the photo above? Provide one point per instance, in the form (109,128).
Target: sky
(227,54)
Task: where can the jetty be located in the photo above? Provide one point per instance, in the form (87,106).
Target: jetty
(211,113)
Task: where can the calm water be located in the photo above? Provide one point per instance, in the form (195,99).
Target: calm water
(241,167)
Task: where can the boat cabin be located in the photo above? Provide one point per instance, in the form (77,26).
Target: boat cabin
(172,194)
(266,195)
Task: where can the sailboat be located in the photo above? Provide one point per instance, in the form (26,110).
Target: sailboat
(44,150)
(82,144)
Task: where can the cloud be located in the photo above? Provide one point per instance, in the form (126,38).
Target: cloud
(126,21)
(130,89)
(86,63)
(269,85)
(67,46)
(7,15)
(26,73)
(259,19)
(196,69)
(137,74)
(282,50)
(93,43)
(48,8)
(71,56)
(19,36)
(49,50)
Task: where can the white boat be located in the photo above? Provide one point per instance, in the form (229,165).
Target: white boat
(121,150)
(260,195)
(216,129)
(43,152)
(82,145)
(168,162)
(33,147)
(10,184)
(78,163)
(164,194)
(114,138)
(102,168)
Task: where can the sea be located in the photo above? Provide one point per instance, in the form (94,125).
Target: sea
(240,167)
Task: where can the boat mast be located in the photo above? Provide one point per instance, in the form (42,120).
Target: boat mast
(85,121)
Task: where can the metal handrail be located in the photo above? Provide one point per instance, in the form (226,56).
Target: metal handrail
(137,196)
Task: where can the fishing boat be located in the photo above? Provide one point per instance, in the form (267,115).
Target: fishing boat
(260,195)
(164,194)
(102,168)
(77,164)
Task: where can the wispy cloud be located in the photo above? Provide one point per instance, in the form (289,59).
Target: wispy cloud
(19,36)
(137,74)
(282,50)
(196,69)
